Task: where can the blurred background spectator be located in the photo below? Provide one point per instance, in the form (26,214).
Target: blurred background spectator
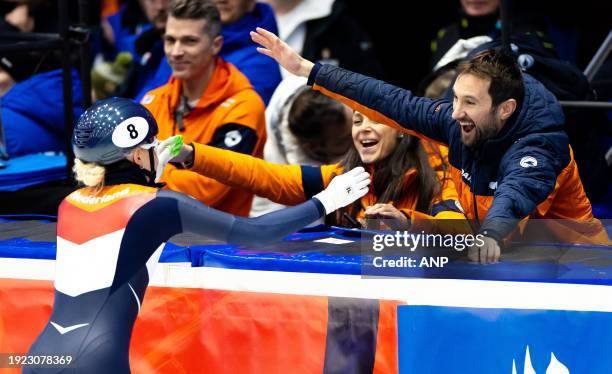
(31,101)
(303,127)
(323,30)
(137,29)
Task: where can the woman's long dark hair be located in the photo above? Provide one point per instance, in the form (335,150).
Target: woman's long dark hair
(388,182)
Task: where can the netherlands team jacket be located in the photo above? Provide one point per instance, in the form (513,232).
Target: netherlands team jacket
(294,184)
(228,115)
(527,170)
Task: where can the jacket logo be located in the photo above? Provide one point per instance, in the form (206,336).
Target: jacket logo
(147,99)
(466,175)
(228,103)
(87,199)
(528,162)
(493,185)
(232,138)
(63,330)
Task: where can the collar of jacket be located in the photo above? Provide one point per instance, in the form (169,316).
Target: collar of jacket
(225,82)
(371,198)
(123,172)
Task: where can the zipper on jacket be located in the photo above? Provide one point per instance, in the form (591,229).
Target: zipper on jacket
(183,108)
(475,202)
(476,208)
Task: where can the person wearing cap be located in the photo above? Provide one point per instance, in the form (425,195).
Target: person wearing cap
(111,232)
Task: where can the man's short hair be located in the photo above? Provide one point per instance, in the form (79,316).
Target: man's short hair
(502,70)
(196,10)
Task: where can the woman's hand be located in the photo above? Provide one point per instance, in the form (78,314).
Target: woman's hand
(281,52)
(394,218)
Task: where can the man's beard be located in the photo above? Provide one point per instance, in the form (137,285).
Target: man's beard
(485,131)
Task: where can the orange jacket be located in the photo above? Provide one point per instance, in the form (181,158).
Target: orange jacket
(293,184)
(507,174)
(228,99)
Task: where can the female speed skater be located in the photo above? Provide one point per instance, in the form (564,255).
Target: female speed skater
(111,233)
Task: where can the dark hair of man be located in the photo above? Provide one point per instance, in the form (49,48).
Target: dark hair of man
(389,177)
(196,10)
(311,112)
(502,70)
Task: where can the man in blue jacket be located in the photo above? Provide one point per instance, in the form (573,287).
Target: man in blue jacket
(32,113)
(509,154)
(237,18)
(137,29)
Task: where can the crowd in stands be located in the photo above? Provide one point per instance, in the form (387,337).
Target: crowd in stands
(256,129)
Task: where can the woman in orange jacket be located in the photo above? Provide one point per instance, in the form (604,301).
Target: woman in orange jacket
(409,181)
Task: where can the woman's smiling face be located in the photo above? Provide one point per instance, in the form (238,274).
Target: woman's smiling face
(374,141)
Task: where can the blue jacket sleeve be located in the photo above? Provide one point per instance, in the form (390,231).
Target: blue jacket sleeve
(198,218)
(527,176)
(386,103)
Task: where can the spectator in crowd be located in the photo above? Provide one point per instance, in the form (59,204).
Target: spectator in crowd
(32,79)
(476,19)
(21,123)
(136,29)
(237,18)
(322,30)
(303,127)
(25,17)
(509,155)
(207,100)
(133,20)
(478,23)
(405,189)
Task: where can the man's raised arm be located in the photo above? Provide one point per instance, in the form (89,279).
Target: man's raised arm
(382,102)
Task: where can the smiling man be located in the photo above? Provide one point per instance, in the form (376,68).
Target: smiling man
(207,100)
(509,154)
(481,104)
